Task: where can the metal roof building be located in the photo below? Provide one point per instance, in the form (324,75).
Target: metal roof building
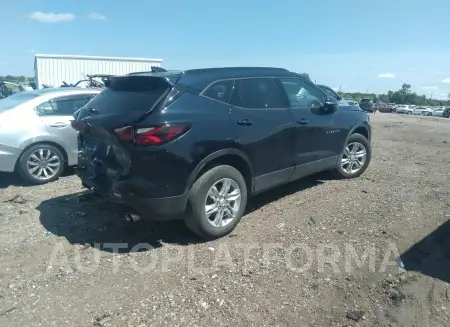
(52,69)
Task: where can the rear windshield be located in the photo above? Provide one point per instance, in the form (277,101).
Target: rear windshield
(15,99)
(366,100)
(129,94)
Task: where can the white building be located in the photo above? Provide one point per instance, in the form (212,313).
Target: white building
(53,69)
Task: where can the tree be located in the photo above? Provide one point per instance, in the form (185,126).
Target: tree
(406,88)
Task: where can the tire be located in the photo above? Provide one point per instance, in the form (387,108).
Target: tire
(56,164)
(429,114)
(196,218)
(409,112)
(339,171)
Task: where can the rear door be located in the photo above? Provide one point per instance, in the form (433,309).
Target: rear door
(265,129)
(319,135)
(57,113)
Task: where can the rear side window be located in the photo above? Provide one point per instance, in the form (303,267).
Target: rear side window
(257,93)
(220,91)
(130,94)
(65,106)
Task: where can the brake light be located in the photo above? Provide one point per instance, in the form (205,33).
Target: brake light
(151,135)
(159,135)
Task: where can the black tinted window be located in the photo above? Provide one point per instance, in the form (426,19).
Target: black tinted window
(257,93)
(220,91)
(301,94)
(64,106)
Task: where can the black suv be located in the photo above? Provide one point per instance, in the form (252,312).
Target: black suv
(197,144)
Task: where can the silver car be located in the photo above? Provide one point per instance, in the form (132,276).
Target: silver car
(36,138)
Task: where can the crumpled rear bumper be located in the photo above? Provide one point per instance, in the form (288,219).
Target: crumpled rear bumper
(126,192)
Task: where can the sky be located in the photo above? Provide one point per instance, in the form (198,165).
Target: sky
(351,45)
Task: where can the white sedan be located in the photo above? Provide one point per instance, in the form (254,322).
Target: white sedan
(425,111)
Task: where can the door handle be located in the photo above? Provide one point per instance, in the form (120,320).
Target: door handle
(244,122)
(58,125)
(303,121)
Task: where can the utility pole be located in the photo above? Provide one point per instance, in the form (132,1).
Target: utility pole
(340,88)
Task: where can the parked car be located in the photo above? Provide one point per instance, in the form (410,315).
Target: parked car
(421,110)
(446,113)
(36,138)
(385,108)
(404,109)
(197,144)
(9,88)
(441,112)
(367,105)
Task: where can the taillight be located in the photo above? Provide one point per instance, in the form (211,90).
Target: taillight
(124,134)
(159,135)
(151,135)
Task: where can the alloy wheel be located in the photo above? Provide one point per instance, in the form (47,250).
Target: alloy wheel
(43,164)
(222,203)
(353,158)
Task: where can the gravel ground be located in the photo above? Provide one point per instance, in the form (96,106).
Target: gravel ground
(318,252)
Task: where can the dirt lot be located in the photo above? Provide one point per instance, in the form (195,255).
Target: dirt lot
(289,262)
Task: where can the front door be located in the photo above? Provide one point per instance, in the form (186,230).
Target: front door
(57,113)
(318,139)
(265,129)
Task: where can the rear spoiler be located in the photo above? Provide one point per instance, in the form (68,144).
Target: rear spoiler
(123,82)
(154,69)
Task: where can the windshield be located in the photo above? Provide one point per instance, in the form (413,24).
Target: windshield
(15,100)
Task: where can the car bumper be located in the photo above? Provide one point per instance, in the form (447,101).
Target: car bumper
(126,193)
(8,157)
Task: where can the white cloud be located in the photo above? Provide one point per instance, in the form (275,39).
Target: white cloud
(96,16)
(429,88)
(386,75)
(51,17)
(446,81)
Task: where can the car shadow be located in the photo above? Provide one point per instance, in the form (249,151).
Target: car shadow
(282,191)
(85,219)
(431,255)
(10,179)
(14,179)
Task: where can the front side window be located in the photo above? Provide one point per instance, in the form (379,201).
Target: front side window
(220,91)
(330,93)
(301,94)
(257,93)
(65,106)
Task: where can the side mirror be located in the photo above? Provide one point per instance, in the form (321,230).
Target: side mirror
(330,105)
(339,98)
